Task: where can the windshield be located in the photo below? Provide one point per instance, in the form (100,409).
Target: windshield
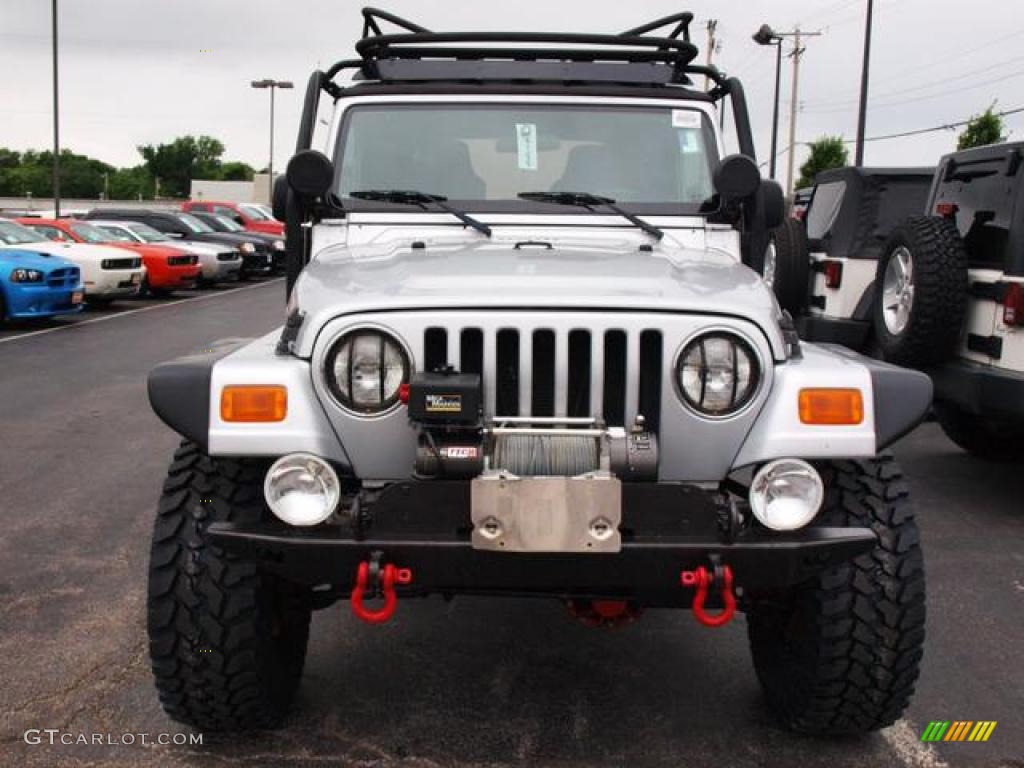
(253,212)
(93,234)
(113,234)
(650,159)
(147,234)
(15,234)
(228,225)
(194,224)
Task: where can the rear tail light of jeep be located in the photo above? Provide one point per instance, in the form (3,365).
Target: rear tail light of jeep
(1013,305)
(947,210)
(833,273)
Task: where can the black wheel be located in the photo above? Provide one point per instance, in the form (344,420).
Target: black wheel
(3,308)
(985,438)
(227,641)
(840,654)
(920,292)
(786,265)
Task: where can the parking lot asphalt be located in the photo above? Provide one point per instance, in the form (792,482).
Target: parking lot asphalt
(472,682)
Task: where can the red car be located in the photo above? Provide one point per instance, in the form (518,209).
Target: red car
(255,218)
(167,268)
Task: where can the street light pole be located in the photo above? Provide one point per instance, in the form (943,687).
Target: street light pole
(273,85)
(862,115)
(56,119)
(766,36)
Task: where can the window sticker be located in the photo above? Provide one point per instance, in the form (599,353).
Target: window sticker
(526,146)
(688,143)
(685,118)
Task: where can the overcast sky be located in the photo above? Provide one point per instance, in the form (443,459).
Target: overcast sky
(142,71)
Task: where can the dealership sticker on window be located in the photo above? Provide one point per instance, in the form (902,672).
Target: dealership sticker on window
(526,146)
(685,118)
(688,144)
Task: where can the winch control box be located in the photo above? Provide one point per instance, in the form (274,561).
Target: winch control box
(445,397)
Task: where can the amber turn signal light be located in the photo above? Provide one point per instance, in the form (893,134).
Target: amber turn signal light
(250,403)
(831,406)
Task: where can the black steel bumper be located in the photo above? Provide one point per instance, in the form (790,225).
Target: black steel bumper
(425,526)
(980,389)
(848,333)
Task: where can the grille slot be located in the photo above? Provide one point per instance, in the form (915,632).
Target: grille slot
(62,278)
(543,372)
(125,263)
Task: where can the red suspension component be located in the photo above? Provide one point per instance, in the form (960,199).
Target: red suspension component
(384,584)
(701,578)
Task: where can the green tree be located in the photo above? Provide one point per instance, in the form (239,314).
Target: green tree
(182,160)
(236,171)
(827,152)
(986,128)
(130,183)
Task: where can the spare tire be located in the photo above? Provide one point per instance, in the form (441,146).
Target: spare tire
(786,265)
(920,292)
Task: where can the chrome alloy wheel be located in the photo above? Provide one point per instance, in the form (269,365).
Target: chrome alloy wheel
(768,270)
(898,291)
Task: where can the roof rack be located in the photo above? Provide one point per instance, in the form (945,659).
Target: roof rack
(417,54)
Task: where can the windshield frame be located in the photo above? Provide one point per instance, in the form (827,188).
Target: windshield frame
(342,122)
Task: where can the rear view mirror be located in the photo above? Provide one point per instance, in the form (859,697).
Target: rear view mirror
(736,178)
(310,173)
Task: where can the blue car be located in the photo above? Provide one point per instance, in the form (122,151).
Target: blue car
(38,285)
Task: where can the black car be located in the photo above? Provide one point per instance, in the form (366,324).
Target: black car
(257,255)
(222,223)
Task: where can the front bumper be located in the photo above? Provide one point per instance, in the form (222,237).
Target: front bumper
(115,283)
(425,526)
(169,276)
(258,263)
(848,333)
(980,389)
(30,300)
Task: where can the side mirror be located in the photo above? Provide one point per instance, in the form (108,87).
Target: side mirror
(279,198)
(736,178)
(310,173)
(774,201)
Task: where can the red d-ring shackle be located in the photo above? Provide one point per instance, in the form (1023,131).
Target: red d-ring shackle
(701,578)
(389,576)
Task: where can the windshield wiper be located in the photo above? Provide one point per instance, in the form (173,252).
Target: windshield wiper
(422,199)
(587,200)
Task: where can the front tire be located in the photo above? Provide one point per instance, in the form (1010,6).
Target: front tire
(840,654)
(227,642)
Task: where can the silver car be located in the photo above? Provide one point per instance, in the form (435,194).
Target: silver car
(526,354)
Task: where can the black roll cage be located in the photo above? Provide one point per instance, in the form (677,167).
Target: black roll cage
(634,59)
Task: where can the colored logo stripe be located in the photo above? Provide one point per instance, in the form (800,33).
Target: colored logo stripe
(958,730)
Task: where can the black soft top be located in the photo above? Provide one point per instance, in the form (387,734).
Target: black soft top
(875,200)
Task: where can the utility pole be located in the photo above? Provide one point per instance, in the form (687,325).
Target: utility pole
(56,119)
(865,71)
(712,26)
(797,52)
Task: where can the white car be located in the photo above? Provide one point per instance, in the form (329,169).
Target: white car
(218,263)
(107,273)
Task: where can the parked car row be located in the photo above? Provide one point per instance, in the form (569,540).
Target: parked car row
(54,266)
(924,268)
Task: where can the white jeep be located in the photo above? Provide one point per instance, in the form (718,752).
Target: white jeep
(523,354)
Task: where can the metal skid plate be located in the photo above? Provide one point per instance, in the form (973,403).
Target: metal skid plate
(546,514)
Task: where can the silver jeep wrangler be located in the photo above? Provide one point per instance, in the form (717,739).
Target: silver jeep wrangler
(525,353)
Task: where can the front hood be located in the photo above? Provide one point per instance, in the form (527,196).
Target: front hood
(20,256)
(73,251)
(497,276)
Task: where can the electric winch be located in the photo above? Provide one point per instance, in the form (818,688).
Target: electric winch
(455,441)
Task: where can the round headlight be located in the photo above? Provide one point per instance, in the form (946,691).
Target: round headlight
(365,370)
(717,373)
(302,489)
(786,494)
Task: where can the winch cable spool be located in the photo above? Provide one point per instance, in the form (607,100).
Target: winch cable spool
(546,455)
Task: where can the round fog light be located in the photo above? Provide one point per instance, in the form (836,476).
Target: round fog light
(302,489)
(786,494)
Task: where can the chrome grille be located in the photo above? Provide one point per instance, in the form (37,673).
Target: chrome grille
(612,372)
(63,278)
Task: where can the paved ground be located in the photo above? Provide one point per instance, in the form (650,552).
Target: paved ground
(471,682)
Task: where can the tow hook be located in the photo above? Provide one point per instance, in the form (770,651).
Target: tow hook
(701,578)
(376,580)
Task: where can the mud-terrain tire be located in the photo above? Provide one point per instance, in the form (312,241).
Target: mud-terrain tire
(791,267)
(840,654)
(930,327)
(990,439)
(227,642)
